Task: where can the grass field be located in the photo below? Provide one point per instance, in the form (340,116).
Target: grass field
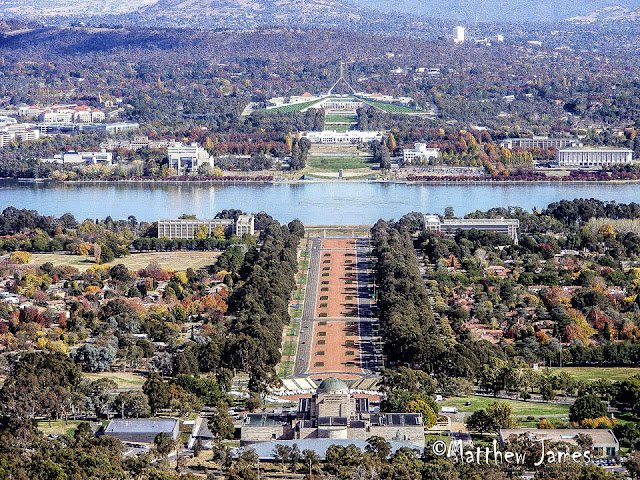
(58,427)
(392,108)
(336,163)
(169,260)
(297,107)
(125,380)
(333,118)
(517,407)
(591,374)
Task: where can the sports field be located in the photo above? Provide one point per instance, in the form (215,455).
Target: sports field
(124,380)
(517,407)
(177,261)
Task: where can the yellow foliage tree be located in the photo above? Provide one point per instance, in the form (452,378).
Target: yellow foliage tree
(201,232)
(20,257)
(218,233)
(83,248)
(606,230)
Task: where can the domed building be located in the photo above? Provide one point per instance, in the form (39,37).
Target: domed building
(333,413)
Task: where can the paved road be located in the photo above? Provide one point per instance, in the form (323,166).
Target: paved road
(305,339)
(365,323)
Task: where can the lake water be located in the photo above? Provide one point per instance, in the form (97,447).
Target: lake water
(334,203)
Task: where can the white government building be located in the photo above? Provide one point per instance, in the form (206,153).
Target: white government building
(593,156)
(350,136)
(187,227)
(187,158)
(419,152)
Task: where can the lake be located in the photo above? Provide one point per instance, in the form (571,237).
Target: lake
(333,203)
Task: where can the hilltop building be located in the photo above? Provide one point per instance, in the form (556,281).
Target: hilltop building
(593,157)
(187,158)
(63,113)
(187,227)
(333,413)
(458,35)
(350,136)
(418,153)
(506,226)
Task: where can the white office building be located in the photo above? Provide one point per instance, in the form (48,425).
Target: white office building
(77,158)
(540,141)
(419,153)
(185,159)
(586,157)
(350,136)
(458,35)
(187,227)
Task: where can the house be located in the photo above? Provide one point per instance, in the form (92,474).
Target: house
(605,442)
(142,430)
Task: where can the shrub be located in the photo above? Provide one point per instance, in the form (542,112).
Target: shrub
(20,257)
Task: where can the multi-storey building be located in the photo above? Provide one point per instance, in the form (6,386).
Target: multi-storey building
(540,142)
(418,153)
(187,158)
(187,227)
(593,157)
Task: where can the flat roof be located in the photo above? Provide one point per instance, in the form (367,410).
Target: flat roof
(264,450)
(599,435)
(141,425)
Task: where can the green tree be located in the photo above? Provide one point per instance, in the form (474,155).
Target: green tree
(156,391)
(587,406)
(311,459)
(221,425)
(163,443)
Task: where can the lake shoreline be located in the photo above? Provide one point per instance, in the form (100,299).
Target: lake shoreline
(251,181)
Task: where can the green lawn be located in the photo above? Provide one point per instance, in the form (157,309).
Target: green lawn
(297,107)
(58,427)
(517,407)
(339,162)
(285,368)
(339,127)
(289,349)
(392,108)
(591,374)
(333,118)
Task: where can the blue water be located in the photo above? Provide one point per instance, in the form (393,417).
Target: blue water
(313,203)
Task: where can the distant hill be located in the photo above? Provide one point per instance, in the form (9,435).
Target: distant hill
(347,14)
(609,14)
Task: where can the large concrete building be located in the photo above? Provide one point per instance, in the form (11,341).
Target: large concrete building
(507,226)
(76,158)
(586,157)
(142,430)
(419,153)
(187,158)
(539,141)
(333,413)
(348,137)
(187,227)
(605,442)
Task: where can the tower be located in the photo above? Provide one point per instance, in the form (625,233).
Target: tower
(458,35)
(344,80)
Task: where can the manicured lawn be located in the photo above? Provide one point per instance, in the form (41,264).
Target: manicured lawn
(591,374)
(178,261)
(331,118)
(297,107)
(517,407)
(289,349)
(392,108)
(285,368)
(336,163)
